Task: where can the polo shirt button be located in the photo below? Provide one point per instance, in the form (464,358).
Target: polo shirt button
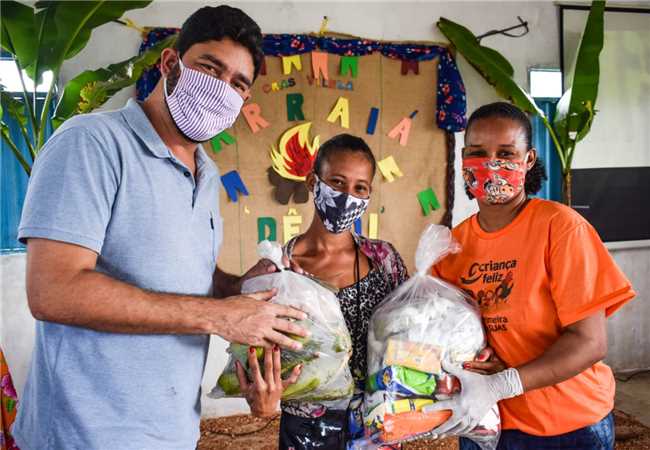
(187,174)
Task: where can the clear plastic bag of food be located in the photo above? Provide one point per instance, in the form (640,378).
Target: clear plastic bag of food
(420,325)
(325,352)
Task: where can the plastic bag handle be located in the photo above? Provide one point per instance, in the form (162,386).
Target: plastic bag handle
(436,242)
(271,251)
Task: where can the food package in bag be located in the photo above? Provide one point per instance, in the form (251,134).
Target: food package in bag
(422,325)
(325,352)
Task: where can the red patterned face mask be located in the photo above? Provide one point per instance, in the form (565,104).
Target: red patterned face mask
(494,181)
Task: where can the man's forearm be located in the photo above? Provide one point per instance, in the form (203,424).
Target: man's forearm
(97,301)
(64,287)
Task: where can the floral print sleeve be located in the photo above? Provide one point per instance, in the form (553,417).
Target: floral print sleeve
(8,403)
(400,270)
(386,258)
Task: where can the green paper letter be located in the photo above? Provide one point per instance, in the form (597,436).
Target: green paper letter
(350,64)
(264,224)
(428,201)
(294,107)
(216,141)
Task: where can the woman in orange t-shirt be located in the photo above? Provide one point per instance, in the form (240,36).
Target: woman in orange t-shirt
(545,284)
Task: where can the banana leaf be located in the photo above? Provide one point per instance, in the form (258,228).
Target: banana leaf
(69,25)
(576,109)
(16,110)
(41,38)
(490,64)
(18,32)
(91,89)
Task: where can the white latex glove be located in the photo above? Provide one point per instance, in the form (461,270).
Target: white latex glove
(478,394)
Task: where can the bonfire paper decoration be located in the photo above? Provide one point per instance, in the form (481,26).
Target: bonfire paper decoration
(292,161)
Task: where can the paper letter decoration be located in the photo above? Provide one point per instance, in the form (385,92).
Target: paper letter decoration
(264,224)
(372,120)
(253,115)
(388,167)
(223,136)
(319,65)
(350,64)
(402,129)
(294,107)
(410,65)
(373,226)
(233,185)
(291,225)
(428,201)
(291,61)
(342,110)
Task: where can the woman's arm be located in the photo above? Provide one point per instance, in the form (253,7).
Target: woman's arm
(580,346)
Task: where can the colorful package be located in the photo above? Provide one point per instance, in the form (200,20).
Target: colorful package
(415,355)
(402,381)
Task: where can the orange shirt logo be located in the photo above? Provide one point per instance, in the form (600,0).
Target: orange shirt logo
(490,283)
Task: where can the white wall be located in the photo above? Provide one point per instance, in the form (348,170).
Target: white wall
(622,113)
(387,21)
(16,322)
(629,329)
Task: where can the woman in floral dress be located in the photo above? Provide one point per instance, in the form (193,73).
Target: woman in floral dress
(363,271)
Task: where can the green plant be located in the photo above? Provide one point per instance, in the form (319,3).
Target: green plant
(40,38)
(574,112)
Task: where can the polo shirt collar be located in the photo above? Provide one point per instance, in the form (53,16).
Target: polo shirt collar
(203,163)
(142,127)
(200,157)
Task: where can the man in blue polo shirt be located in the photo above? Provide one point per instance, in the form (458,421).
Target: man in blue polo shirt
(123,230)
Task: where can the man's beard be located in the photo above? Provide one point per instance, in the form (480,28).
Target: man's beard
(172,78)
(172,81)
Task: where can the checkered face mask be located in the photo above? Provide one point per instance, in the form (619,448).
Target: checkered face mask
(201,105)
(337,210)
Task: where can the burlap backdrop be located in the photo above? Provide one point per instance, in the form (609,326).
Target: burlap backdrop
(379,84)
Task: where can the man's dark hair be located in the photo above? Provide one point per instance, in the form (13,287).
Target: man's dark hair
(343,143)
(214,23)
(502,110)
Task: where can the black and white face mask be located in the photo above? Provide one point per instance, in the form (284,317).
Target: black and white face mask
(337,210)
